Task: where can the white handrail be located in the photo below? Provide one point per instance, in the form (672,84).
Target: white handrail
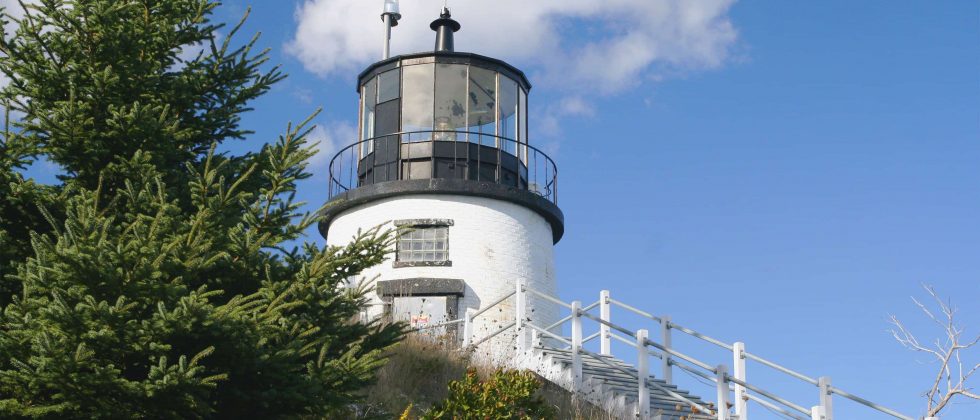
(787,371)
(548,333)
(719,372)
(770,395)
(696,334)
(632,343)
(668,351)
(634,310)
(610,325)
(692,370)
(441,324)
(860,400)
(549,298)
(757,390)
(591,307)
(655,385)
(495,303)
(559,322)
(494,334)
(775,407)
(589,338)
(671,352)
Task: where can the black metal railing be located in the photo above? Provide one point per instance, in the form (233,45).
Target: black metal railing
(444,154)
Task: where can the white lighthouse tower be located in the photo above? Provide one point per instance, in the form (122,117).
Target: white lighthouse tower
(444,152)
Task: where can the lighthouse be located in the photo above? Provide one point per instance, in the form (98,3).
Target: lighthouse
(443,155)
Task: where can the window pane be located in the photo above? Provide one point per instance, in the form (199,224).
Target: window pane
(450,99)
(368,93)
(522,124)
(482,104)
(417,100)
(424,244)
(508,114)
(389,86)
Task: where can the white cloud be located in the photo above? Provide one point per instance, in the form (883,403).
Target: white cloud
(303,95)
(575,106)
(14,11)
(569,106)
(631,40)
(13,7)
(189,52)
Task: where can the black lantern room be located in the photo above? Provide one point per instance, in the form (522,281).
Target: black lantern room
(444,122)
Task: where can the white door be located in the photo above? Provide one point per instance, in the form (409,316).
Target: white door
(420,311)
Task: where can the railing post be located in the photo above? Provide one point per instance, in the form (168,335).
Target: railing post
(665,338)
(741,400)
(816,413)
(721,379)
(642,373)
(576,346)
(520,299)
(468,327)
(826,400)
(604,334)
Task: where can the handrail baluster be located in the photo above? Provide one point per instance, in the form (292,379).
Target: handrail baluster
(666,342)
(577,346)
(605,348)
(741,400)
(721,382)
(642,373)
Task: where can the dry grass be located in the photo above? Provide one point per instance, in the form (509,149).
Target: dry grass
(419,370)
(571,408)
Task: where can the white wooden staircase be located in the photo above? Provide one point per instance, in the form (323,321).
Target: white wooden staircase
(626,390)
(613,389)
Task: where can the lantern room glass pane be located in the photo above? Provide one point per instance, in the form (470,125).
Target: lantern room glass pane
(482,102)
(389,86)
(522,124)
(417,100)
(368,96)
(450,100)
(508,115)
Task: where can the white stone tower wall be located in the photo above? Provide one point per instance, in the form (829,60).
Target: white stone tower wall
(492,244)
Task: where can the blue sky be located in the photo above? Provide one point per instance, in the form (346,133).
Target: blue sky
(785,174)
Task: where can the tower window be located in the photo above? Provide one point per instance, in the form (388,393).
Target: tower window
(389,87)
(426,243)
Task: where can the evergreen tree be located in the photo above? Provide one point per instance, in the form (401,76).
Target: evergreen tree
(93,82)
(19,214)
(157,280)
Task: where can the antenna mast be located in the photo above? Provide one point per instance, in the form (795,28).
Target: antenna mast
(390,17)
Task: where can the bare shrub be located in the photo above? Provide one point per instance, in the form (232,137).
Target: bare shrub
(952,374)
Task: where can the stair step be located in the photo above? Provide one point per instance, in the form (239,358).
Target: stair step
(605,372)
(612,374)
(618,380)
(623,378)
